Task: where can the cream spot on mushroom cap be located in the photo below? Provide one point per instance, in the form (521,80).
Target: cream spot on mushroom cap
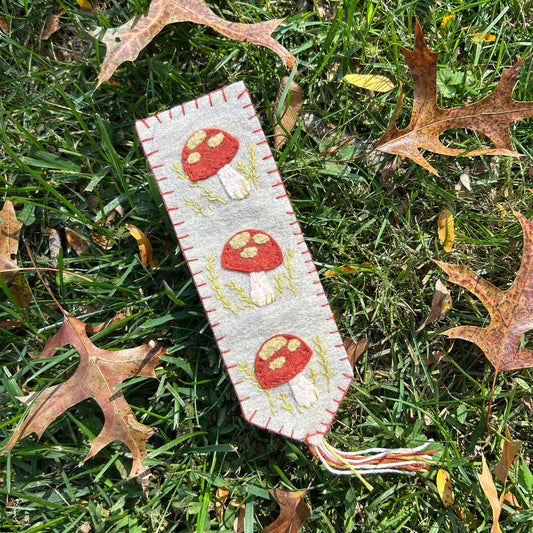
(293,345)
(196,140)
(240,240)
(261,238)
(277,363)
(271,347)
(249,253)
(214,141)
(194,158)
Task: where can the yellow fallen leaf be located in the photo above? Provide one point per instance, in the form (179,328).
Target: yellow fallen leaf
(445,229)
(348,269)
(444,487)
(446,20)
(371,82)
(85,4)
(145,247)
(479,37)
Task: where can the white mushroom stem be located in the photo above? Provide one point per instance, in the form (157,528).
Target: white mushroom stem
(261,292)
(305,393)
(235,184)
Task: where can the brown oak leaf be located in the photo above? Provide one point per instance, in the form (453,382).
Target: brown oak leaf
(510,310)
(293,511)
(125,42)
(490,116)
(98,376)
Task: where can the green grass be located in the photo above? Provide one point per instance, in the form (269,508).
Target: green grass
(70,156)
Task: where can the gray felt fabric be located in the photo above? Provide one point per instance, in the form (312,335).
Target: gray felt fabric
(205,218)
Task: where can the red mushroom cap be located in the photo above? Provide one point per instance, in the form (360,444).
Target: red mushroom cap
(280,359)
(251,250)
(207,151)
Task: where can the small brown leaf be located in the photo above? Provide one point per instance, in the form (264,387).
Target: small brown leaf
(51,25)
(221,497)
(445,229)
(440,305)
(294,511)
(78,244)
(290,111)
(355,349)
(54,243)
(511,500)
(510,449)
(9,231)
(487,484)
(463,186)
(4,25)
(100,239)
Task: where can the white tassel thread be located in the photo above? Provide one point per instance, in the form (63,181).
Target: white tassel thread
(373,460)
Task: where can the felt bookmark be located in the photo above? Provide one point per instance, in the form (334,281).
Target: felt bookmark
(254,274)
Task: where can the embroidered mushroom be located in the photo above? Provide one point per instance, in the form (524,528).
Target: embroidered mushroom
(281,359)
(208,152)
(254,252)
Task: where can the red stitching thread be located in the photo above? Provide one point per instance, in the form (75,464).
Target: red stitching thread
(210,310)
(290,212)
(196,273)
(272,171)
(253,414)
(282,196)
(218,323)
(311,271)
(187,249)
(225,352)
(158,119)
(243,92)
(183,237)
(219,339)
(320,293)
(257,131)
(170,113)
(161,179)
(267,157)
(210,101)
(196,102)
(244,399)
(253,116)
(167,192)
(147,139)
(145,123)
(183,109)
(172,208)
(224,94)
(179,223)
(268,421)
(204,297)
(247,105)
(156,166)
(277,185)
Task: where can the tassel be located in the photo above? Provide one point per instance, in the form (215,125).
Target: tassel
(372,461)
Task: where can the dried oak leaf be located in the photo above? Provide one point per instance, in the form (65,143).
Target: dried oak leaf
(490,116)
(510,310)
(294,511)
(98,376)
(125,42)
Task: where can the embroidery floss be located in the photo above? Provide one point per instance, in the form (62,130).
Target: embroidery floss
(279,341)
